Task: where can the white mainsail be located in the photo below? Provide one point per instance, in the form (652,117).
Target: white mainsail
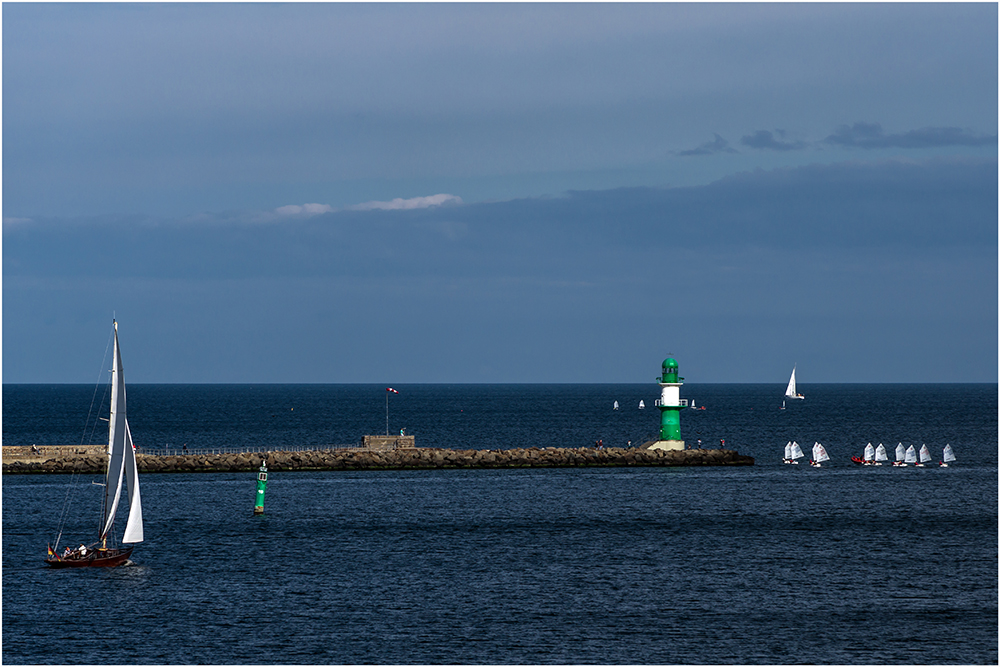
(641,405)
(900,452)
(796,451)
(911,455)
(788,451)
(925,454)
(949,454)
(790,391)
(880,453)
(869,452)
(121,459)
(616,405)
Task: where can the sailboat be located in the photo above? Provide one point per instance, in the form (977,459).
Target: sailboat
(925,456)
(949,456)
(790,391)
(796,453)
(819,455)
(616,405)
(880,454)
(911,455)
(788,452)
(122,472)
(900,456)
(869,457)
(642,405)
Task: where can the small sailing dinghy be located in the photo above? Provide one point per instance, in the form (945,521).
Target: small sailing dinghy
(911,455)
(796,453)
(949,456)
(819,455)
(788,453)
(790,391)
(866,460)
(880,454)
(616,405)
(122,472)
(642,405)
(900,461)
(925,456)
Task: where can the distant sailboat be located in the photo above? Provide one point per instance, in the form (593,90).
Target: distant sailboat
(796,453)
(788,452)
(925,456)
(616,405)
(949,456)
(880,454)
(642,406)
(819,455)
(900,456)
(869,454)
(911,455)
(790,391)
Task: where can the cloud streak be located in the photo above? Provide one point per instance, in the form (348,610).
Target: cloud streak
(718,145)
(871,136)
(765,140)
(399,204)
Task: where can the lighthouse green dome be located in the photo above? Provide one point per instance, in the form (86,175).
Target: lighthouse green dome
(669,370)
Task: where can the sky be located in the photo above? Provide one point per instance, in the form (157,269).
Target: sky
(409,193)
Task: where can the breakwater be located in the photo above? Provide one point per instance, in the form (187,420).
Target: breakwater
(413,458)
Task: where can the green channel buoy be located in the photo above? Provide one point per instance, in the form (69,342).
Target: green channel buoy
(258,508)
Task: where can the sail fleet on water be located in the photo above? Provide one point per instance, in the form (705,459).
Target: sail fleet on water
(873,456)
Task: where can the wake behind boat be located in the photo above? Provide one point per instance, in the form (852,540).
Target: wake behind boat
(121,468)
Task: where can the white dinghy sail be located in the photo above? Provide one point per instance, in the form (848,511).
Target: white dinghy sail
(869,453)
(796,453)
(949,456)
(819,455)
(925,455)
(900,455)
(911,455)
(880,454)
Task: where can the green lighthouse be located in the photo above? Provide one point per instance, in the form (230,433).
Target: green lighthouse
(670,405)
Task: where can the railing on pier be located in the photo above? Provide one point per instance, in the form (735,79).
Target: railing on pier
(204,451)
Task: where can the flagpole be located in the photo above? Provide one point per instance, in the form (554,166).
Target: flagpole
(387,413)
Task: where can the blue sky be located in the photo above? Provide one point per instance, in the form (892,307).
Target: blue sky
(501,192)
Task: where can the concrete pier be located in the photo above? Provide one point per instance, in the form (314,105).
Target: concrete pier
(410,458)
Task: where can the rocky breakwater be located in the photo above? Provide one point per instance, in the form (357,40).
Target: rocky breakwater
(398,459)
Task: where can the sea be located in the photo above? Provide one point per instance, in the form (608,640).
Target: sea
(767,564)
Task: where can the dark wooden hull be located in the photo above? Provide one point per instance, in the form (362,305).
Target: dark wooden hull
(95,558)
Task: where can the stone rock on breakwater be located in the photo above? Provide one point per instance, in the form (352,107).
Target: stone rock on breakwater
(398,459)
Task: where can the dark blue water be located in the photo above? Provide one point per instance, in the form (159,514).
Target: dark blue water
(769,564)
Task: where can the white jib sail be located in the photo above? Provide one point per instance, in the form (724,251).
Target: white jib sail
(925,454)
(790,390)
(869,452)
(796,451)
(900,452)
(880,453)
(120,452)
(820,454)
(911,455)
(133,527)
(949,454)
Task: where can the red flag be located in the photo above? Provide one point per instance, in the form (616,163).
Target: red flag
(392,390)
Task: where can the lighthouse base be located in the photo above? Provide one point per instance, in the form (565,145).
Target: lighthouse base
(665,444)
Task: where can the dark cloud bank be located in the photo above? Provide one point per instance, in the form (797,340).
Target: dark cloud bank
(856,269)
